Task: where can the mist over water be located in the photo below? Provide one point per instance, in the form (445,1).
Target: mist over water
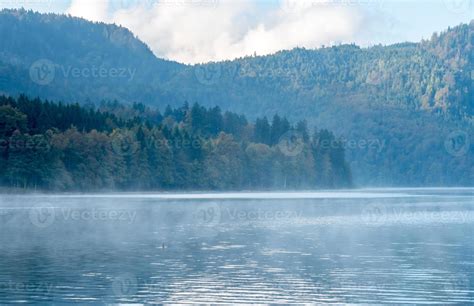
(366,246)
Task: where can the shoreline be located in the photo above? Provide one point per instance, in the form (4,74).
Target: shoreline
(392,192)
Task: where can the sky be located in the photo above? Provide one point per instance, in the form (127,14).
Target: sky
(195,31)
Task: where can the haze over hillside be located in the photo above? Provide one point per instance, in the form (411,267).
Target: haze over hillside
(396,107)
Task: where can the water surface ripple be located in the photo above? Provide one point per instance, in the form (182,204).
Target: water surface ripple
(368,246)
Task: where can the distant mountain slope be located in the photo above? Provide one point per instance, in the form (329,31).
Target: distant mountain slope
(413,102)
(434,75)
(90,60)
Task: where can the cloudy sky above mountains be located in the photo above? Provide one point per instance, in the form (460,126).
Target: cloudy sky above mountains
(194,31)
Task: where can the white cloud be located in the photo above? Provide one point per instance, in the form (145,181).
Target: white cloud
(90,10)
(194,31)
(304,26)
(43,6)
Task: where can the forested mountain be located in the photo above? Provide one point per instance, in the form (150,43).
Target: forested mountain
(433,76)
(68,147)
(77,53)
(396,108)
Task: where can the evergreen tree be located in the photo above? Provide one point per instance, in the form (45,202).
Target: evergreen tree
(84,149)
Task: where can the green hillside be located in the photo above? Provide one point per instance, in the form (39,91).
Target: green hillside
(404,112)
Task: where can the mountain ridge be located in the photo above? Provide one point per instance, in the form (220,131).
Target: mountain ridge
(378,93)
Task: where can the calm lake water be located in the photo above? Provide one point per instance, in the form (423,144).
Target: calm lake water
(366,246)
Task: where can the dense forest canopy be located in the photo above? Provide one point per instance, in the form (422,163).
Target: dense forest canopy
(406,99)
(114,147)
(433,75)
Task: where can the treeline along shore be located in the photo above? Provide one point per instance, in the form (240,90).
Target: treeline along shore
(66,147)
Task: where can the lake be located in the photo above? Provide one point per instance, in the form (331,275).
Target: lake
(360,246)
